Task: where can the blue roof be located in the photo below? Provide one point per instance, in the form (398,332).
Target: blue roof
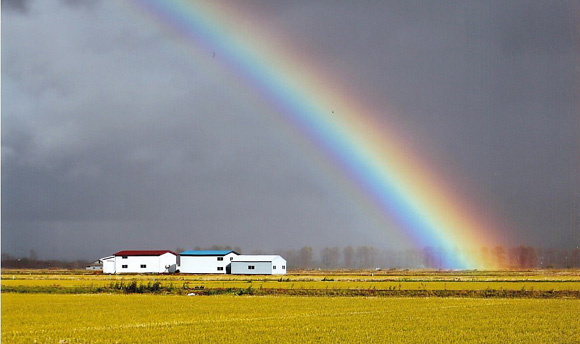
(205,253)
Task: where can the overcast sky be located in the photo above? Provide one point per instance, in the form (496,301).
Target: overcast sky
(115,136)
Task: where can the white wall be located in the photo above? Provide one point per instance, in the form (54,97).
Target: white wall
(241,267)
(153,264)
(205,264)
(167,263)
(109,266)
(280,264)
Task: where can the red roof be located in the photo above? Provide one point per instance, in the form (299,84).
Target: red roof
(143,253)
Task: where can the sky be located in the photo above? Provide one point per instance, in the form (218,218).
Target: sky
(117,133)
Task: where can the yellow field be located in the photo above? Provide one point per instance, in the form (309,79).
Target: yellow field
(383,280)
(108,318)
(321,285)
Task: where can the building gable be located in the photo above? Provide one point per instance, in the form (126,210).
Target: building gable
(207,253)
(143,253)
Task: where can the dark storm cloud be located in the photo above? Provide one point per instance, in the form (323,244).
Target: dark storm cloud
(540,27)
(110,130)
(16,5)
(80,3)
(490,86)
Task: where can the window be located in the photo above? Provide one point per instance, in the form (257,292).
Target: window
(124,257)
(251,267)
(283,267)
(143,266)
(220,258)
(124,266)
(274,267)
(220,268)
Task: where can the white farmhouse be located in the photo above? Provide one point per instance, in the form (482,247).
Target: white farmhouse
(258,265)
(160,261)
(206,262)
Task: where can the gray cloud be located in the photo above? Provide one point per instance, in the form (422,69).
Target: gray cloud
(16,5)
(117,135)
(540,27)
(81,3)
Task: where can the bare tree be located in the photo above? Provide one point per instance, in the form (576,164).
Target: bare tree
(373,256)
(292,258)
(306,257)
(563,259)
(550,258)
(532,257)
(429,257)
(330,257)
(575,258)
(440,257)
(527,257)
(413,258)
(366,256)
(361,256)
(523,257)
(348,254)
(499,256)
(513,258)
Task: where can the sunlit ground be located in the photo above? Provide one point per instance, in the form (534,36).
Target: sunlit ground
(115,318)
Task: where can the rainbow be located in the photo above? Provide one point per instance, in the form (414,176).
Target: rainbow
(355,136)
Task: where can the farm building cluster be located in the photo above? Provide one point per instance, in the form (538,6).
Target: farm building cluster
(190,262)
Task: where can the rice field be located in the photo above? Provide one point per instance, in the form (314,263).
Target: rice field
(316,280)
(114,318)
(42,306)
(300,284)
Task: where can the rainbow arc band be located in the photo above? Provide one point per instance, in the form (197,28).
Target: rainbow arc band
(373,155)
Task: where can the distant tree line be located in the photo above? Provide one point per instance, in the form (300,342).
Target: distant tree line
(366,257)
(32,262)
(369,257)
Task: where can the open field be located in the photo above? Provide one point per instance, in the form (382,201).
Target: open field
(546,280)
(110,318)
(48,306)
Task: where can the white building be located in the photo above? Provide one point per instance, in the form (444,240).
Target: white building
(98,265)
(108,264)
(258,265)
(206,262)
(160,261)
